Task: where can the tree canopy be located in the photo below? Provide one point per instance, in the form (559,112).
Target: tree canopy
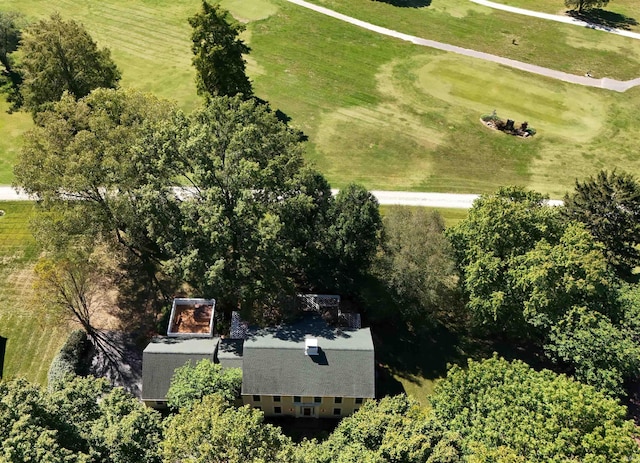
(79,420)
(60,56)
(218,53)
(499,229)
(417,263)
(585,5)
(547,281)
(190,383)
(608,204)
(253,223)
(11,24)
(214,432)
(536,416)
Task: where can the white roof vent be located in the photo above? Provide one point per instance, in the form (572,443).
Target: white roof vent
(311,346)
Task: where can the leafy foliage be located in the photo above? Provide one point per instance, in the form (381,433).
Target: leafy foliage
(510,409)
(10,77)
(583,5)
(60,56)
(499,229)
(213,432)
(609,206)
(218,52)
(190,383)
(70,359)
(79,420)
(602,353)
(396,429)
(417,263)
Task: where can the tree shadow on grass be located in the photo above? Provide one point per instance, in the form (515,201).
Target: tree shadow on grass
(410,354)
(407,3)
(602,19)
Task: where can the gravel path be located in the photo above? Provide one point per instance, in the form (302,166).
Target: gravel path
(609,84)
(400,198)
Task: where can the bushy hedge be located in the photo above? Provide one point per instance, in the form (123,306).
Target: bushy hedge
(70,360)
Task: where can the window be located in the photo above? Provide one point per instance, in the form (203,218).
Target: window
(358,400)
(317,400)
(337,411)
(276,398)
(256,398)
(277,410)
(338,400)
(296,398)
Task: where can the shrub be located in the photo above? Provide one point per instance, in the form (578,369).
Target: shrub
(70,359)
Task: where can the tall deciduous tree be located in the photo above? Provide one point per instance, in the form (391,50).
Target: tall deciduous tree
(80,420)
(500,228)
(417,263)
(584,5)
(214,432)
(60,56)
(218,53)
(249,180)
(10,35)
(609,206)
(101,152)
(190,383)
(538,416)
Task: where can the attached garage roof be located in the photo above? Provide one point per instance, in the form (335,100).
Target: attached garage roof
(163,355)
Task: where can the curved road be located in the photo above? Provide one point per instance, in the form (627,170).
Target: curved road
(609,84)
(398,198)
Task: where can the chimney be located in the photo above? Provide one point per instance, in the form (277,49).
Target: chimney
(311,346)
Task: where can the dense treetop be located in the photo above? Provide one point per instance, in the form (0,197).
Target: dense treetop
(60,56)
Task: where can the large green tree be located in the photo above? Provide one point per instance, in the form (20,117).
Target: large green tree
(214,432)
(190,383)
(60,56)
(79,420)
(218,53)
(396,429)
(609,206)
(585,5)
(417,263)
(498,230)
(538,416)
(95,166)
(11,24)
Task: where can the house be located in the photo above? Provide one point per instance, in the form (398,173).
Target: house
(306,369)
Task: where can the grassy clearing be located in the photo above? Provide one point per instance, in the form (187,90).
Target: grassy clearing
(621,13)
(542,42)
(34,337)
(385,113)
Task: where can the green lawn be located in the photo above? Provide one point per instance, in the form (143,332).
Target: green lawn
(383,112)
(33,336)
(621,13)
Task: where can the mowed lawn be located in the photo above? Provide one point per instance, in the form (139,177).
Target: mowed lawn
(33,336)
(385,113)
(623,14)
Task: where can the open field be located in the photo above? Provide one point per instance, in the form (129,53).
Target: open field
(34,337)
(385,113)
(624,14)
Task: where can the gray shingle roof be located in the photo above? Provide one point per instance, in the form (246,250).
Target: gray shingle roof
(274,362)
(163,355)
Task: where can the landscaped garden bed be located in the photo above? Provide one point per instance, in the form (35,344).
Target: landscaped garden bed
(509,126)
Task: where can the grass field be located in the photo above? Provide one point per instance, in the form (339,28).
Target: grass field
(33,336)
(385,113)
(624,14)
